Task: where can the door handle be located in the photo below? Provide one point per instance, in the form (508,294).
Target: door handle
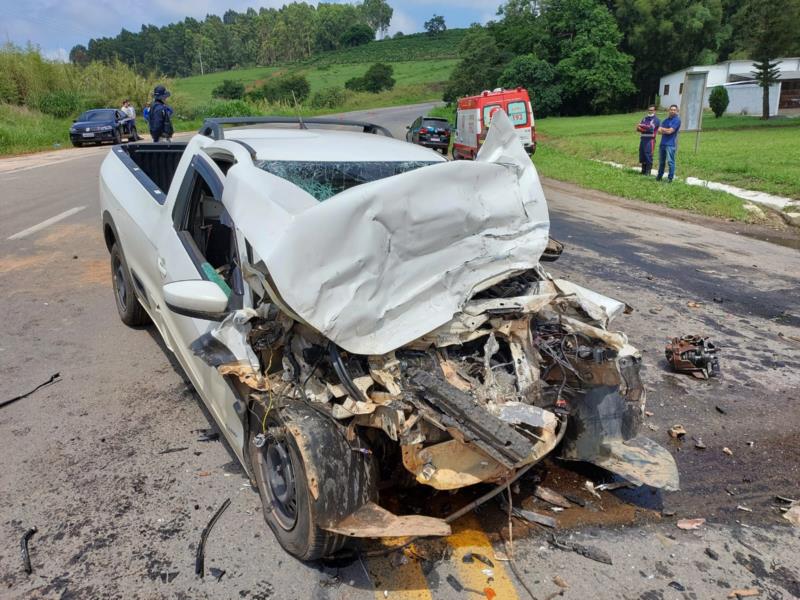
(162,267)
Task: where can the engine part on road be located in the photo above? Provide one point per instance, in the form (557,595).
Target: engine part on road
(26,556)
(200,557)
(693,354)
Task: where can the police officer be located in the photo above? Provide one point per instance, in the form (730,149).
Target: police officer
(159,119)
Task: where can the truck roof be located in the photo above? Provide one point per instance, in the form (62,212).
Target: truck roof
(324,145)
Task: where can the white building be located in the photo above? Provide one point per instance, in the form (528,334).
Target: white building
(744,93)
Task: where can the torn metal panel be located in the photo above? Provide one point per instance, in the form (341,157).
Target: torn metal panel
(372,520)
(451,465)
(379,265)
(603,430)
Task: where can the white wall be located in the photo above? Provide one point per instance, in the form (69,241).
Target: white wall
(747,99)
(674,80)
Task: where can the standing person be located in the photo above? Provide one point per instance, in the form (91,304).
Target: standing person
(128,109)
(648,127)
(669,143)
(159,118)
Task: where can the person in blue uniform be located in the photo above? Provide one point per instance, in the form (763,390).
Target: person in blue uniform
(669,143)
(647,128)
(159,119)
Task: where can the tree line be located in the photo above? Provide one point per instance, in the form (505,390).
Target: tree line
(296,31)
(594,56)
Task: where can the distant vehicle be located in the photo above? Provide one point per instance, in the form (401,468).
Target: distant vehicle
(474,114)
(431,132)
(100,125)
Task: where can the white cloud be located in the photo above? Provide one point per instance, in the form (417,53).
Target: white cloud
(402,21)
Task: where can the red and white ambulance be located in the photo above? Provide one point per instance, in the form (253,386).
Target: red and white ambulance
(474,114)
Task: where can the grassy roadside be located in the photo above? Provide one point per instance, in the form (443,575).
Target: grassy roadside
(741,151)
(557,164)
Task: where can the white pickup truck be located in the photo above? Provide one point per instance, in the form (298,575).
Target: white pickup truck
(359,313)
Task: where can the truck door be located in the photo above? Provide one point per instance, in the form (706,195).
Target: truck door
(200,243)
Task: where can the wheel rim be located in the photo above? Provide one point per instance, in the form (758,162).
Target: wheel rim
(120,288)
(279,479)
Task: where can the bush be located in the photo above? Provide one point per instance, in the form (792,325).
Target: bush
(330,97)
(718,100)
(229,90)
(279,89)
(61,103)
(224,108)
(377,78)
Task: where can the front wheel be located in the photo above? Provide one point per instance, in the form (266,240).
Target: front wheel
(342,480)
(117,137)
(130,310)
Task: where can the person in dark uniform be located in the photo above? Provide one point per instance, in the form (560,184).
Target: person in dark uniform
(159,119)
(647,128)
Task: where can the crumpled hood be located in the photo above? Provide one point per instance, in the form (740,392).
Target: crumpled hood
(381,264)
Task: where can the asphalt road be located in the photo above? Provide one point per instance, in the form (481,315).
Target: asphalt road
(108,465)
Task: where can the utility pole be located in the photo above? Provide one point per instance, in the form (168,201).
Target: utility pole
(200,54)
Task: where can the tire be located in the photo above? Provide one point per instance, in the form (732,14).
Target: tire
(77,144)
(130,310)
(281,474)
(117,137)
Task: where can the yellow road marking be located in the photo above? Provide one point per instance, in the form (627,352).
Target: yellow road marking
(469,537)
(401,581)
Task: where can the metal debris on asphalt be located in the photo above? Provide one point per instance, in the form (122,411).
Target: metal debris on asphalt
(590,488)
(727,451)
(216,573)
(690,523)
(711,554)
(199,561)
(744,508)
(26,556)
(698,443)
(53,379)
(455,583)
(207,435)
(693,354)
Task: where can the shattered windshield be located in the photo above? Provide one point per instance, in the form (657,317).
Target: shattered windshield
(325,179)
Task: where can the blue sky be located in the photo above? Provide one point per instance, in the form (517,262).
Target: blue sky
(57,25)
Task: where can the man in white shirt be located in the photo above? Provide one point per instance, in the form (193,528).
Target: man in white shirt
(128,109)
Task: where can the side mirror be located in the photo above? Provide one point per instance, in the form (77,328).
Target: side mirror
(197,298)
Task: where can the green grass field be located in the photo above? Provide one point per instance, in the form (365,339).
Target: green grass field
(741,151)
(429,73)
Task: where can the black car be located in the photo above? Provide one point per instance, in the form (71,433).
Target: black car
(101,125)
(431,132)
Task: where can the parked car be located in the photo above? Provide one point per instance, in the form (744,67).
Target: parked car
(431,132)
(100,125)
(474,114)
(352,307)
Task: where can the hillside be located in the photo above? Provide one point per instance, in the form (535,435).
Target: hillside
(420,60)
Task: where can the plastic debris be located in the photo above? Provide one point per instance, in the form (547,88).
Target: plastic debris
(560,582)
(552,497)
(677,431)
(470,557)
(698,443)
(793,515)
(200,557)
(53,379)
(590,488)
(744,508)
(750,592)
(690,523)
(728,451)
(677,585)
(216,573)
(26,556)
(455,583)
